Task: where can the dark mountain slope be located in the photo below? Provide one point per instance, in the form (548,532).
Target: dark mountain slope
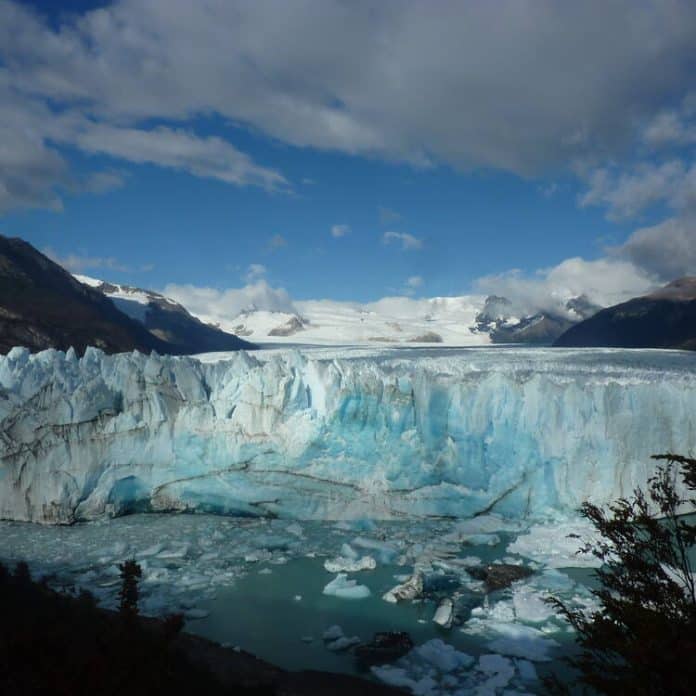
(168,320)
(663,319)
(43,306)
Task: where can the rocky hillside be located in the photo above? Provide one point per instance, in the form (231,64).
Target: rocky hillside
(663,319)
(43,306)
(167,320)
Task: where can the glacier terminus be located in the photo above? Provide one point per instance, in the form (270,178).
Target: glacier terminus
(321,434)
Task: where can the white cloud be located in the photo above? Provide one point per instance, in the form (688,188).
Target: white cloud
(627,193)
(480,69)
(408,241)
(604,281)
(411,285)
(339,230)
(210,157)
(254,272)
(667,249)
(669,128)
(227,304)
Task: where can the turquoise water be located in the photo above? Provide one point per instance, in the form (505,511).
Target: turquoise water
(258,584)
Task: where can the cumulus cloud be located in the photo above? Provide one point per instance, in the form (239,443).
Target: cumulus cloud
(255,271)
(407,241)
(667,250)
(626,193)
(501,85)
(604,282)
(339,230)
(209,157)
(411,285)
(669,128)
(212,303)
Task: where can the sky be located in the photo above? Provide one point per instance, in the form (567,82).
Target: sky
(276,151)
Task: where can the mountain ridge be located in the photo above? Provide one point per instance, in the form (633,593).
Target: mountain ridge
(43,306)
(664,318)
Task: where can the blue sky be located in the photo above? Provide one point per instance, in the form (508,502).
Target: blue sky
(217,145)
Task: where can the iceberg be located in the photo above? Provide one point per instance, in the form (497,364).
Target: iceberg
(519,433)
(343,588)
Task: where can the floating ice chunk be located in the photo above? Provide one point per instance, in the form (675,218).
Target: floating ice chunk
(486,524)
(347,551)
(444,613)
(395,676)
(297,598)
(523,641)
(196,613)
(343,588)
(350,565)
(265,571)
(342,643)
(500,611)
(481,539)
(150,551)
(409,590)
(558,545)
(530,605)
(443,656)
(295,529)
(385,550)
(501,670)
(332,632)
(527,670)
(178,551)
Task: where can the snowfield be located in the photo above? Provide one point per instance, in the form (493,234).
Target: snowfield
(446,320)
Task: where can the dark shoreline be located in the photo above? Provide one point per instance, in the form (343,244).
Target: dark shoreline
(53,642)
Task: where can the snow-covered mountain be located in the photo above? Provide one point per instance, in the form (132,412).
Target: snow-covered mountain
(166,319)
(398,320)
(498,319)
(467,320)
(43,306)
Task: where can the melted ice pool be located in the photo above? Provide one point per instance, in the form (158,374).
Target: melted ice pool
(263,585)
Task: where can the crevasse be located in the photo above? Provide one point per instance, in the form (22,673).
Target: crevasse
(523,433)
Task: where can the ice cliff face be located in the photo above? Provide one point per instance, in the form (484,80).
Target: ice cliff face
(523,432)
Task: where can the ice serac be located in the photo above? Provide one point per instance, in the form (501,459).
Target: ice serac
(517,432)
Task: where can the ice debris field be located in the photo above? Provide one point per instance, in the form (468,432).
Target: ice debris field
(304,594)
(354,491)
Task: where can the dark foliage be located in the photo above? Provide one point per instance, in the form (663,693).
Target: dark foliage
(128,595)
(63,646)
(642,639)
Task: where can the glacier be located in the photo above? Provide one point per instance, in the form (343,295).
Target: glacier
(321,435)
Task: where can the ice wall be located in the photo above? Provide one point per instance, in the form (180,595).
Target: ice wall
(519,432)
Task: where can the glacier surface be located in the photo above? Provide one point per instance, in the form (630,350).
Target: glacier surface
(522,432)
